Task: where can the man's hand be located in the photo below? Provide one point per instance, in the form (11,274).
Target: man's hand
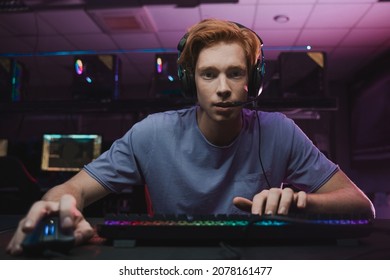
(70,217)
(273,201)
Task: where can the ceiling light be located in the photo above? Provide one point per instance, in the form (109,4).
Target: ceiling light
(281,18)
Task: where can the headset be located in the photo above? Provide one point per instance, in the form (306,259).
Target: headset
(256,76)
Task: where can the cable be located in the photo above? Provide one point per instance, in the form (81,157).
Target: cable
(253,102)
(261,162)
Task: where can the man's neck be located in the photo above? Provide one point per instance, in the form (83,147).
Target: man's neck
(221,133)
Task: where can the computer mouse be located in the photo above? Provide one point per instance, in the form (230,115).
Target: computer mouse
(48,236)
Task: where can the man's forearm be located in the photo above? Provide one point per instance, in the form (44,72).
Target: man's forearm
(339,202)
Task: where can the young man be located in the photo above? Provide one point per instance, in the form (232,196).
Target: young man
(215,157)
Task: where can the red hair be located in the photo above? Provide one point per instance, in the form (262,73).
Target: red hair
(209,32)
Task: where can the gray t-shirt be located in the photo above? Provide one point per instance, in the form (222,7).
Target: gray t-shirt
(184,173)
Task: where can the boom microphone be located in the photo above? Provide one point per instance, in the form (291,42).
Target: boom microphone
(252,101)
(240,103)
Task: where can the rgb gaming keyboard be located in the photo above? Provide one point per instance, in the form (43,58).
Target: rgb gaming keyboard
(232,227)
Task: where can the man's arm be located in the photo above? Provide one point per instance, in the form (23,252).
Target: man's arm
(338,195)
(67,200)
(82,186)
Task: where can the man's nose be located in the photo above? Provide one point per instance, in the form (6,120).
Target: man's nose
(223,87)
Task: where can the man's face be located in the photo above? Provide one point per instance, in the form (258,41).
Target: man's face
(221,77)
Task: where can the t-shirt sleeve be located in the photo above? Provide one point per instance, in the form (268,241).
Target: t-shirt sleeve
(308,168)
(118,168)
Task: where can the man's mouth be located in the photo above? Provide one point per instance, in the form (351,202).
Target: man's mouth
(227,104)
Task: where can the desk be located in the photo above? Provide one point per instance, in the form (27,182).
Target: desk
(375,246)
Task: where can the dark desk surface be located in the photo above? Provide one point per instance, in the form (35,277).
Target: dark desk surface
(375,246)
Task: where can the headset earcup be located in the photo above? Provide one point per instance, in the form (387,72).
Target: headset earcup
(187,84)
(256,79)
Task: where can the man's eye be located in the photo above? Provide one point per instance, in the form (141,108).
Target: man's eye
(208,75)
(237,74)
